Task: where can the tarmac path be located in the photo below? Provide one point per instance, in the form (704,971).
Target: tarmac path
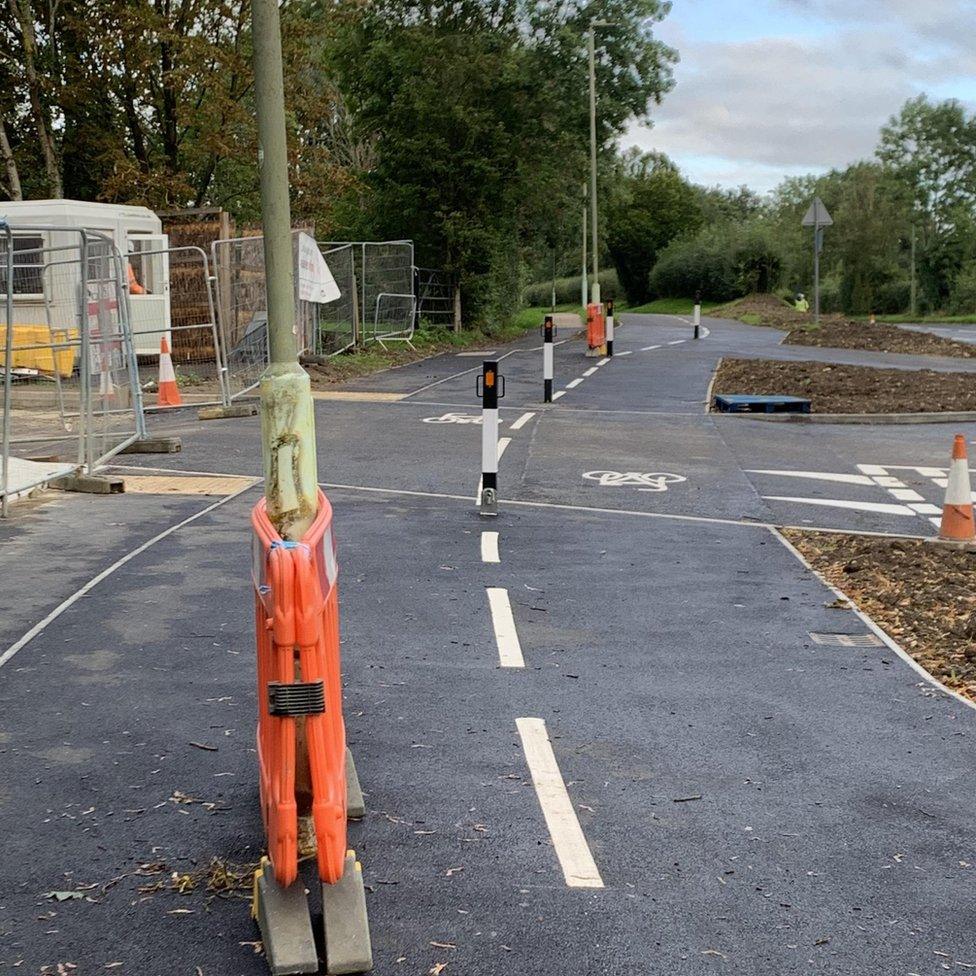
(595,733)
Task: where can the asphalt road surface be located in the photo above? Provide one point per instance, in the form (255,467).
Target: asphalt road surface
(595,734)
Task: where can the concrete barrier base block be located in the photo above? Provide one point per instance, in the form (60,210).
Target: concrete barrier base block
(355,804)
(224,413)
(154,445)
(90,484)
(347,944)
(285,923)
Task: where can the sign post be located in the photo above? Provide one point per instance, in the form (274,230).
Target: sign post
(818,218)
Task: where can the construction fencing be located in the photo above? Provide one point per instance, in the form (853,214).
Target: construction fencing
(71,393)
(384,272)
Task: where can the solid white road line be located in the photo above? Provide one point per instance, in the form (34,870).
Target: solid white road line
(489,547)
(590,371)
(572,384)
(522,421)
(846,479)
(883,507)
(556,396)
(506,636)
(41,625)
(574,855)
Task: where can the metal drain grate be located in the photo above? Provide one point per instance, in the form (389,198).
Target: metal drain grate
(847,640)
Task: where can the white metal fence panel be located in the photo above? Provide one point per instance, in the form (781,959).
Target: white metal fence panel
(71,396)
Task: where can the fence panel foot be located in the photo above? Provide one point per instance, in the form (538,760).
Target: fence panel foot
(286,926)
(347,943)
(224,413)
(355,804)
(90,484)
(154,445)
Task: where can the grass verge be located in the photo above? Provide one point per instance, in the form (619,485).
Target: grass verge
(668,306)
(427,342)
(922,594)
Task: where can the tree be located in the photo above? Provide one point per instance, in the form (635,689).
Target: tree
(652,206)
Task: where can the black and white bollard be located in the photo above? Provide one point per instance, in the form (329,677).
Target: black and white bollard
(610,327)
(487,387)
(548,332)
(696,315)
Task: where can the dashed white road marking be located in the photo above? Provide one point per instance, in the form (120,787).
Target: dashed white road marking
(572,384)
(629,352)
(568,840)
(907,495)
(603,362)
(884,508)
(522,421)
(676,342)
(926,508)
(872,469)
(503,443)
(489,547)
(590,371)
(646,349)
(506,636)
(556,396)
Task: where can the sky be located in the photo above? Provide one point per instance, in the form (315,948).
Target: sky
(772,88)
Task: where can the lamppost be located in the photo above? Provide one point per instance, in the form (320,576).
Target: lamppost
(591,44)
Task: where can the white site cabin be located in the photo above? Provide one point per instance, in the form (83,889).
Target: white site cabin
(134,231)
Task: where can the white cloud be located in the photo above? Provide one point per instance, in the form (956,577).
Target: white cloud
(787,104)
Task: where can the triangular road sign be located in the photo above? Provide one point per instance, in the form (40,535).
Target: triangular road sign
(817,215)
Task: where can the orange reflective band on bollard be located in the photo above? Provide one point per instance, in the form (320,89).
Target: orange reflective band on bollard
(595,326)
(297,618)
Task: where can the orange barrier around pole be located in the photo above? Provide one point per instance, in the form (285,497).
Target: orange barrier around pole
(297,611)
(595,326)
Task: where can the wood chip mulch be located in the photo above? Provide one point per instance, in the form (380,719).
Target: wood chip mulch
(833,388)
(922,594)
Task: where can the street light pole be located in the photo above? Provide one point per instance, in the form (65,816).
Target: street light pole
(595,286)
(287,417)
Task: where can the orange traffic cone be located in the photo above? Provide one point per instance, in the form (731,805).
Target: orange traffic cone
(169,392)
(957,513)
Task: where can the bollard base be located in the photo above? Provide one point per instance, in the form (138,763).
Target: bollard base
(285,923)
(154,445)
(346,926)
(597,352)
(355,804)
(224,413)
(489,502)
(90,484)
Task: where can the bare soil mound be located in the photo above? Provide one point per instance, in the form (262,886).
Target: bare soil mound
(922,594)
(849,389)
(838,332)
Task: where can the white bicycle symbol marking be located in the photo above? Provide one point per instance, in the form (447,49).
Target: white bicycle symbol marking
(453,418)
(658,481)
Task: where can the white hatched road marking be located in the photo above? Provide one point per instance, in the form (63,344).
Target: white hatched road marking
(568,839)
(489,547)
(846,479)
(522,421)
(884,508)
(503,622)
(897,488)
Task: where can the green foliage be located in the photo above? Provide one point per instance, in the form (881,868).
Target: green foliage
(722,262)
(652,206)
(963,298)
(569,290)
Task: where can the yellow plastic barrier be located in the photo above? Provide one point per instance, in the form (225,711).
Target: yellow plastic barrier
(33,348)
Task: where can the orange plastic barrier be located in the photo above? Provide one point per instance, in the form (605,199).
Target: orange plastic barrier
(596,334)
(296,603)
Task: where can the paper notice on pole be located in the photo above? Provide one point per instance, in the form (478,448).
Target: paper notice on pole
(315,281)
